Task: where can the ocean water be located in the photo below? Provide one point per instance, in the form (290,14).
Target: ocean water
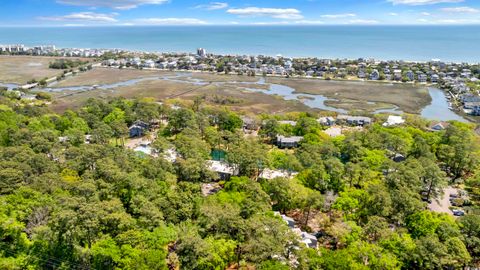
(415,43)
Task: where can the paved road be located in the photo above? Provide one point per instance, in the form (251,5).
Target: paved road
(443,204)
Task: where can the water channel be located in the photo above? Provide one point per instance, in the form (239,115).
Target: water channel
(437,110)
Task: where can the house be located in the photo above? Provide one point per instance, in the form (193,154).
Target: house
(361,74)
(201,52)
(224,170)
(138,129)
(438,126)
(270,174)
(288,142)
(290,221)
(149,64)
(410,75)
(354,120)
(475,111)
(434,78)
(326,121)
(249,123)
(397,74)
(470,101)
(375,75)
(309,240)
(471,104)
(422,78)
(393,120)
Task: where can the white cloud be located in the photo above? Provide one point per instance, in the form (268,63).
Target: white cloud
(457,21)
(74,25)
(278,13)
(393,14)
(169,21)
(83,17)
(299,22)
(449,21)
(117,4)
(213,6)
(362,21)
(336,16)
(460,10)
(422,2)
(425,14)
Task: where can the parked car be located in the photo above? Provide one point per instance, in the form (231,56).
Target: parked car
(458,213)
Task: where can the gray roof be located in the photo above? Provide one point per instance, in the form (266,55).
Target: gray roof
(293,139)
(354,118)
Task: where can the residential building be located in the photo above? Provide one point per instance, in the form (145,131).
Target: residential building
(225,171)
(410,76)
(422,78)
(375,75)
(201,52)
(393,120)
(326,121)
(354,120)
(438,126)
(288,142)
(138,129)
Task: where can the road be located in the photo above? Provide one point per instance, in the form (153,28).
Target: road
(443,204)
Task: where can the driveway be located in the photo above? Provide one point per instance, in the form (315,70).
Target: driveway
(443,204)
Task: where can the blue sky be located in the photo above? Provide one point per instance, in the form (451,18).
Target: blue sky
(233,12)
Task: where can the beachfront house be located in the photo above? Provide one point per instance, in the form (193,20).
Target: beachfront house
(288,142)
(354,120)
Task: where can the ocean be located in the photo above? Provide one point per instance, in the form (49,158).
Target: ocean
(410,43)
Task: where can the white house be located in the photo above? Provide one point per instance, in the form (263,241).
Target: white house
(224,170)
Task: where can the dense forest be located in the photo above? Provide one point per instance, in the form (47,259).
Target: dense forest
(72,203)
